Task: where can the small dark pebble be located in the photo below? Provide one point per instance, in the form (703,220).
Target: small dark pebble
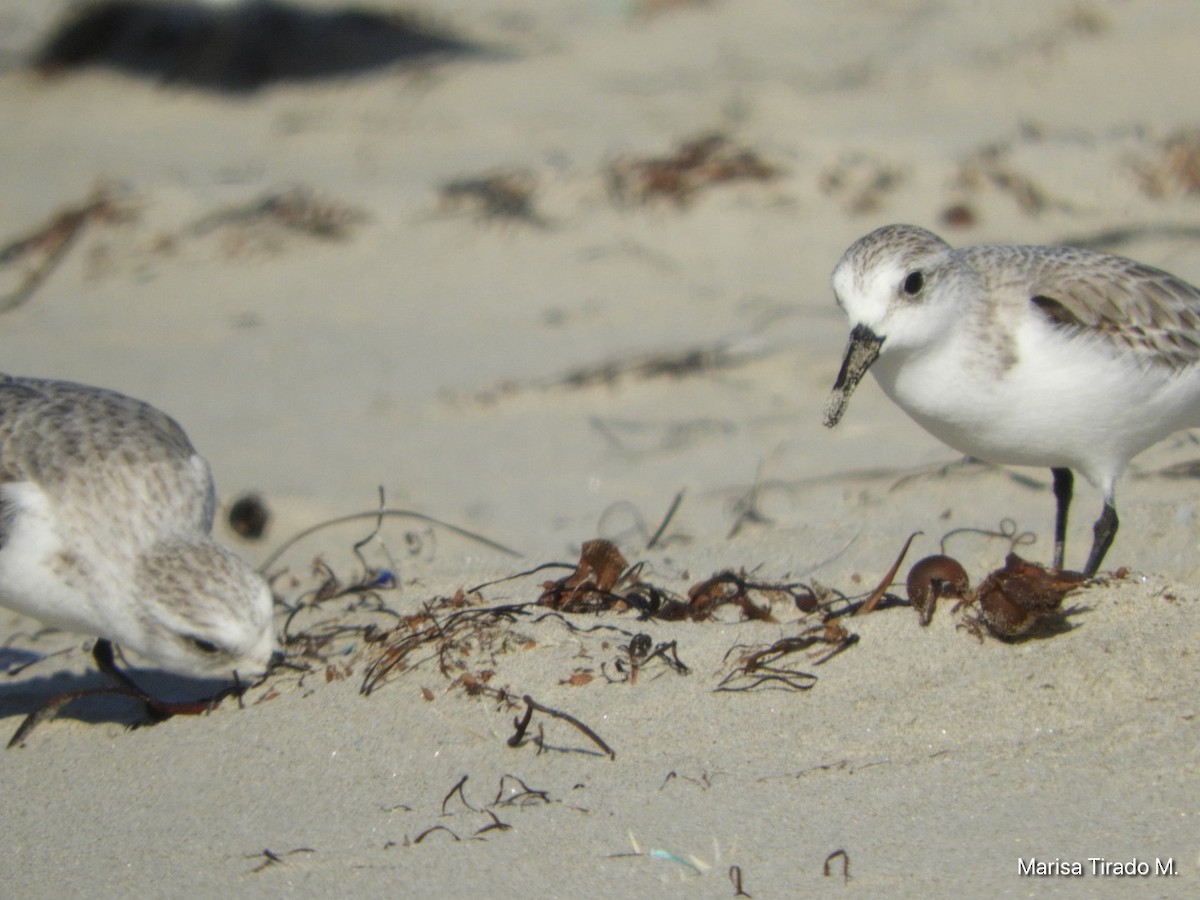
(249,516)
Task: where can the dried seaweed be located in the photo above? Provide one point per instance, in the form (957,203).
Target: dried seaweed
(384,514)
(1021,599)
(639,654)
(845,858)
(44,248)
(696,164)
(461,637)
(455,642)
(876,596)
(759,667)
(604,581)
(735,878)
(271,858)
(689,362)
(504,196)
(532,706)
(297,209)
(338,625)
(512,794)
(991,166)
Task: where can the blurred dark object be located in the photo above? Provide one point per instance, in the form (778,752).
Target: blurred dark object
(248,516)
(238,47)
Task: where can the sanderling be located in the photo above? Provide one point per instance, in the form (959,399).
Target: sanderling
(105,514)
(1041,356)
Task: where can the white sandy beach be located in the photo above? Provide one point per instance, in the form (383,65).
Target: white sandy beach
(429,349)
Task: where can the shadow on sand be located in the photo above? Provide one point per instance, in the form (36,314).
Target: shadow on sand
(240,47)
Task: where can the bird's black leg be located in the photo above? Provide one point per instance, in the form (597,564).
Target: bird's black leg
(1104,530)
(1064,484)
(102,653)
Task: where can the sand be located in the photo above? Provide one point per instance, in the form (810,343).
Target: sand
(518,375)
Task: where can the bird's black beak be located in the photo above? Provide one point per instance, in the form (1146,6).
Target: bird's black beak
(862,351)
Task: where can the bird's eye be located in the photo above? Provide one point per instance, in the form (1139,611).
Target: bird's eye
(913,283)
(202,645)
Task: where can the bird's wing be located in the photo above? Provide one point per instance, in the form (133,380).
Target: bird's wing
(1135,307)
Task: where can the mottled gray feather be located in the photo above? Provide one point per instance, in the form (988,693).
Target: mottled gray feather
(1133,306)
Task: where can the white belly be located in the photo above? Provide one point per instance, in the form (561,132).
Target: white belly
(36,575)
(1071,404)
